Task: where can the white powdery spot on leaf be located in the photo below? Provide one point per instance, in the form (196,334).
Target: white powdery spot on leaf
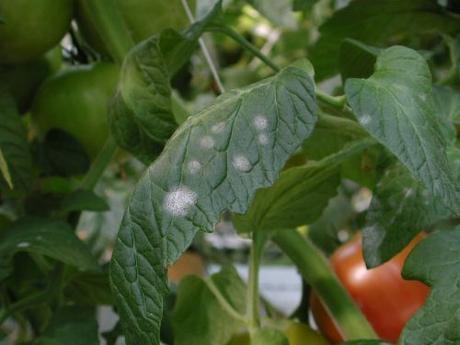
(263,139)
(193,166)
(218,127)
(207,142)
(23,245)
(241,163)
(179,201)
(260,122)
(365,119)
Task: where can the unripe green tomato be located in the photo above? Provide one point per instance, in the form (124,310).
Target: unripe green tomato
(143,18)
(30,28)
(76,101)
(23,80)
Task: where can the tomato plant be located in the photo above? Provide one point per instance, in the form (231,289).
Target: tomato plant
(258,133)
(386,299)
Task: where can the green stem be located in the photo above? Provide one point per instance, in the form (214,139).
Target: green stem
(223,301)
(100,163)
(108,21)
(245,44)
(341,124)
(253,312)
(338,102)
(106,17)
(315,269)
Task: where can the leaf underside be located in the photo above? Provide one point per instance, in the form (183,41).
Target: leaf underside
(214,162)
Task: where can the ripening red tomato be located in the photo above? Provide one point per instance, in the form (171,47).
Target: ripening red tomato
(385,298)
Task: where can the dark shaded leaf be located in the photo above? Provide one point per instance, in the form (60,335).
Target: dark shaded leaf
(377,22)
(83,200)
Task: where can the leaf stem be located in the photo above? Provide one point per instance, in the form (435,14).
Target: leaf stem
(339,102)
(205,50)
(258,242)
(315,269)
(342,124)
(223,301)
(100,163)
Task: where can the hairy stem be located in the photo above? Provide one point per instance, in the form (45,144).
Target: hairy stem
(315,269)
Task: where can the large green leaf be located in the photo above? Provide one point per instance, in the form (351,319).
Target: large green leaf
(215,161)
(300,195)
(141,114)
(71,326)
(395,105)
(401,207)
(377,22)
(46,237)
(435,261)
(16,164)
(209,324)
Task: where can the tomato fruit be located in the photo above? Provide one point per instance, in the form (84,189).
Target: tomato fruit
(24,79)
(143,18)
(385,298)
(76,101)
(188,263)
(296,332)
(31,28)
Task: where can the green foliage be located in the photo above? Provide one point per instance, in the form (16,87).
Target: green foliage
(72,326)
(192,324)
(435,262)
(300,194)
(16,160)
(141,114)
(267,336)
(45,237)
(220,157)
(396,106)
(376,23)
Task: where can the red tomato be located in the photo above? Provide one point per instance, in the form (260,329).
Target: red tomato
(385,298)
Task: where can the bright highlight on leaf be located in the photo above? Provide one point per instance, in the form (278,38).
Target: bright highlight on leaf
(230,172)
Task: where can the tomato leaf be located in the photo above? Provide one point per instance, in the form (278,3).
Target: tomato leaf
(46,237)
(299,196)
(215,161)
(447,104)
(212,324)
(357,59)
(17,159)
(375,23)
(395,105)
(141,114)
(435,262)
(71,326)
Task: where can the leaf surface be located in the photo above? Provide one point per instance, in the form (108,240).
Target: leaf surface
(435,261)
(215,161)
(299,196)
(46,237)
(395,105)
(198,318)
